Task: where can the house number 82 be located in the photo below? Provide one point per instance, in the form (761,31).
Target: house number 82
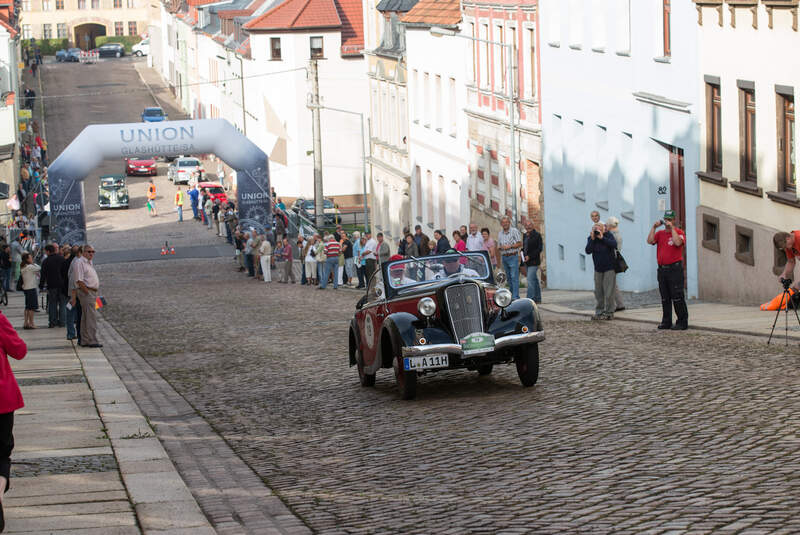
(662,190)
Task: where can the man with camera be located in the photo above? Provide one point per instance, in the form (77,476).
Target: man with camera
(789,243)
(602,246)
(670,243)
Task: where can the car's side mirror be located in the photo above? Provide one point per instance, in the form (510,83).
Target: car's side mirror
(361,302)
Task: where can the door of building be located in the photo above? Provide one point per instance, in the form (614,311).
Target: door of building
(677,193)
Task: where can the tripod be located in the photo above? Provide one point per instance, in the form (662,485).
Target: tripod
(785,298)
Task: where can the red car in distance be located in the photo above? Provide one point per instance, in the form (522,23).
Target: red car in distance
(140,167)
(215,189)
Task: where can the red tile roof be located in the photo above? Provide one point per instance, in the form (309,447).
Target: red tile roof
(198,3)
(8,27)
(434,12)
(351,15)
(231,13)
(244,48)
(298,14)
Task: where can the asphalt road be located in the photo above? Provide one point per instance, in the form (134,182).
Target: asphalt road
(629,430)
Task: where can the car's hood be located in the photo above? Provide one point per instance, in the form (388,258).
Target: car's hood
(141,163)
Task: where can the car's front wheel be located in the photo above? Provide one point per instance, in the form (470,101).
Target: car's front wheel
(138,53)
(485,369)
(117,54)
(527,361)
(365,378)
(406,380)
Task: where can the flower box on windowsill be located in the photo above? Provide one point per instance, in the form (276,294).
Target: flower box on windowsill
(784,197)
(751,188)
(713,177)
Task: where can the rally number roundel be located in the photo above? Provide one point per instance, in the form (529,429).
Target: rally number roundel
(369,331)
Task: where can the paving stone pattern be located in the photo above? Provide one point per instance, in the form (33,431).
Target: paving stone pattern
(53,380)
(629,430)
(74,464)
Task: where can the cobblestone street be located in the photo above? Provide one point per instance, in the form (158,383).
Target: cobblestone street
(627,430)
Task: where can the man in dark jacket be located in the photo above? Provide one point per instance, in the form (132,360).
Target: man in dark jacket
(422,241)
(532,249)
(442,243)
(602,246)
(52,277)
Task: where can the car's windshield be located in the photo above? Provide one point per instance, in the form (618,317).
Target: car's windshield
(309,205)
(408,272)
(216,190)
(154,112)
(188,163)
(111,188)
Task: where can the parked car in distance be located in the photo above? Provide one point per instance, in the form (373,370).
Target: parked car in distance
(154,115)
(215,189)
(184,170)
(331,214)
(110,50)
(442,312)
(145,167)
(142,48)
(73,55)
(61,55)
(112,192)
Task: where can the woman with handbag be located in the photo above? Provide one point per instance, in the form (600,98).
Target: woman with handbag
(30,281)
(613,227)
(12,346)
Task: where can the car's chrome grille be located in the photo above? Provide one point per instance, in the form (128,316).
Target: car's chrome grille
(464,308)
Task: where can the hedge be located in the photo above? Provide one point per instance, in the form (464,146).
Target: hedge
(47,47)
(125,40)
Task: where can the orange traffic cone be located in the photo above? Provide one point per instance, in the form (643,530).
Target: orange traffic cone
(171,250)
(778,301)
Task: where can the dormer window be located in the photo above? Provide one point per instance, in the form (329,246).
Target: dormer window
(316,48)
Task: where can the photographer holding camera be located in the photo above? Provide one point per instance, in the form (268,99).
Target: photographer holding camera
(789,243)
(670,243)
(602,246)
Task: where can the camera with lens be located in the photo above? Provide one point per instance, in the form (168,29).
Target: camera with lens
(786,283)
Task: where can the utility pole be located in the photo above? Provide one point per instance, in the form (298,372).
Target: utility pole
(512,128)
(319,207)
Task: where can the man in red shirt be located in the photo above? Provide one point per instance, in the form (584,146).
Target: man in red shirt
(670,243)
(789,242)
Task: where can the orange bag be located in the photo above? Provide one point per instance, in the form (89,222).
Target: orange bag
(776,302)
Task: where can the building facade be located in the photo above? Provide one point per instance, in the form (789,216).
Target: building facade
(620,123)
(10,100)
(748,163)
(492,191)
(438,129)
(390,166)
(81,21)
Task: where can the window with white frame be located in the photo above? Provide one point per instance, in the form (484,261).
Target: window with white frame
(598,17)
(385,117)
(473,57)
(27,31)
(499,59)
(47,31)
(315,43)
(26,5)
(437,104)
(576,13)
(426,108)
(429,195)
(485,58)
(376,123)
(403,114)
(416,102)
(452,107)
(553,11)
(393,131)
(46,5)
(61,30)
(623,26)
(530,63)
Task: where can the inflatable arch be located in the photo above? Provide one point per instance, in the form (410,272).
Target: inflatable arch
(147,140)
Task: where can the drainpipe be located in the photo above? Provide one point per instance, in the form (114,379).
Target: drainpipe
(241,78)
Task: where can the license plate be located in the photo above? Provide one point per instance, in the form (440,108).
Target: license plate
(143,169)
(477,343)
(427,362)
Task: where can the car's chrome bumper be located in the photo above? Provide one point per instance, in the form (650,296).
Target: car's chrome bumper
(501,343)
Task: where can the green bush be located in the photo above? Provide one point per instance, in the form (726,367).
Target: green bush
(125,40)
(48,47)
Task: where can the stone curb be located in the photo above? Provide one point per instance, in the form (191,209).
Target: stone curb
(161,499)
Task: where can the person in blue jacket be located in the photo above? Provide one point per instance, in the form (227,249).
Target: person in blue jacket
(194,198)
(602,246)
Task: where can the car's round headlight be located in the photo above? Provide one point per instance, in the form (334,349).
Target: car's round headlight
(426,306)
(502,298)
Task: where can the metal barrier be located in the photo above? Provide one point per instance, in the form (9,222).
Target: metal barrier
(88,56)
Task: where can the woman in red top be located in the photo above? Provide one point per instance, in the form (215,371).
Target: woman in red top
(11,345)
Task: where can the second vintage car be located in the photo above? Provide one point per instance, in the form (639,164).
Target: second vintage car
(113,192)
(442,312)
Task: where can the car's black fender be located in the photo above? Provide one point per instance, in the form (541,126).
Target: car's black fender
(520,313)
(397,331)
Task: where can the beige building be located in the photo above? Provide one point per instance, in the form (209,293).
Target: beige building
(81,21)
(748,161)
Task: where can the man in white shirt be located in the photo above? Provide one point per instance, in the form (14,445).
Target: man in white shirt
(88,284)
(474,239)
(369,254)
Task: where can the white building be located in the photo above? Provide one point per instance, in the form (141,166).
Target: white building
(283,41)
(620,130)
(10,99)
(438,130)
(748,76)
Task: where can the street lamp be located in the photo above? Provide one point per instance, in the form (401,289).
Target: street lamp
(363,155)
(437,31)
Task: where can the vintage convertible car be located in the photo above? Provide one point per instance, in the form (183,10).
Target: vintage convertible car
(112,192)
(442,312)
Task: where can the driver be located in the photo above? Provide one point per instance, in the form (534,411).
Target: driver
(452,265)
(397,273)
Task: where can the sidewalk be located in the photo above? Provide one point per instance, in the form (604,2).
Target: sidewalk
(86,460)
(702,315)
